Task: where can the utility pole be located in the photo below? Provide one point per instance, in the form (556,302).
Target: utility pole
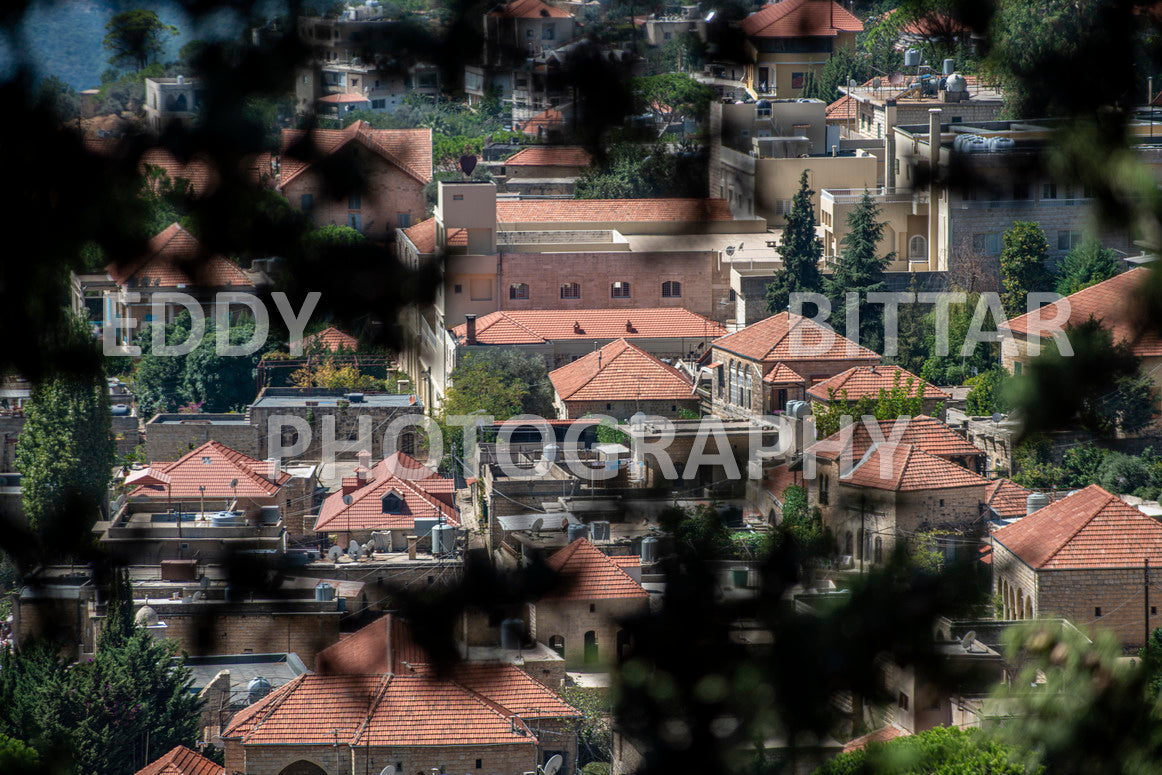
(1146,606)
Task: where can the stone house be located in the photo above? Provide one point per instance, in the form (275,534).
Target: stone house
(757,370)
(789,42)
(1082,558)
(395,165)
(176,100)
(544,169)
(620,380)
(384,705)
(869,381)
(180,760)
(580,619)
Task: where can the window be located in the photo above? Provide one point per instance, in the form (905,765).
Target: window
(1017,368)
(1067,240)
(902,701)
(354,202)
(391,503)
(667,35)
(355,221)
(529,32)
(619,290)
(671,289)
(518,291)
(941,501)
(570,291)
(879,549)
(798,80)
(307,202)
(988,244)
(592,608)
(1049,191)
(403,220)
(917,247)
(378,104)
(1097,612)
(548,32)
(479,764)
(781,399)
(457,288)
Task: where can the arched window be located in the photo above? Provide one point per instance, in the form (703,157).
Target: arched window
(570,290)
(303,767)
(918,247)
(590,647)
(671,289)
(849,544)
(879,549)
(518,291)
(557,644)
(619,290)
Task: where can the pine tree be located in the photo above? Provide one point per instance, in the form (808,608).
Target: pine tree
(1085,265)
(800,249)
(860,270)
(119,622)
(1023,256)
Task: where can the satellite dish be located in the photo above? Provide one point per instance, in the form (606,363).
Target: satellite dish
(553,764)
(334,553)
(968,639)
(730,250)
(353,548)
(538,523)
(388,770)
(233,483)
(997,417)
(564,523)
(347,500)
(467,163)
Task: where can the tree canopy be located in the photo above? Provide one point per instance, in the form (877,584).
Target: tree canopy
(136,38)
(1023,265)
(500,383)
(860,270)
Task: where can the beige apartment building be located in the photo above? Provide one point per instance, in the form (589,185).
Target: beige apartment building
(790,41)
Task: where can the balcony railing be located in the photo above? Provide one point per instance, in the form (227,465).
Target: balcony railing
(847,196)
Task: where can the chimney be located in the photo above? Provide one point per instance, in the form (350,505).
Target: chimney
(361,475)
(272,470)
(470,324)
(364,458)
(629,326)
(412,541)
(350,484)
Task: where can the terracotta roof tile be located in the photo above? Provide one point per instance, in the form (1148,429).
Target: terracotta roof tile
(423,236)
(1090,529)
(213,465)
(550,156)
(612,210)
(1007,498)
(550,118)
(199,171)
(772,340)
(537,326)
(626,560)
(174,258)
(861,381)
(1111,303)
(340,99)
(423,493)
(182,761)
(589,574)
(801,19)
(881,735)
(530,9)
(843,109)
(620,371)
(908,468)
(380,647)
(332,339)
(512,688)
(408,149)
(782,374)
(923,432)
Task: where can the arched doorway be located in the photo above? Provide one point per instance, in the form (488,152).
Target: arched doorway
(557,644)
(591,647)
(303,767)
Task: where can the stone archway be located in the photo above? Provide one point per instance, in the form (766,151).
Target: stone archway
(302,767)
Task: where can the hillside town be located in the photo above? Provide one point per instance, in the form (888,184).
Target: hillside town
(582,387)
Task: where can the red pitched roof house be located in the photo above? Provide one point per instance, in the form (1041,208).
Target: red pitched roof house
(870,381)
(621,379)
(182,761)
(1081,558)
(380,696)
(541,156)
(792,39)
(579,619)
(396,164)
(1006,499)
(755,369)
(330,339)
(389,497)
(893,492)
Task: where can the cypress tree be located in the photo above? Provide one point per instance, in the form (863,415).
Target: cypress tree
(860,270)
(800,249)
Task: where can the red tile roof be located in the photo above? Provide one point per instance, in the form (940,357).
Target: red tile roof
(530,9)
(539,326)
(550,156)
(612,210)
(626,560)
(771,340)
(881,735)
(1007,498)
(332,339)
(182,761)
(801,19)
(511,687)
(843,109)
(213,466)
(174,258)
(1090,529)
(408,149)
(906,467)
(550,118)
(423,236)
(424,493)
(1111,302)
(380,647)
(923,432)
(199,171)
(619,371)
(340,99)
(589,574)
(782,374)
(776,480)
(861,381)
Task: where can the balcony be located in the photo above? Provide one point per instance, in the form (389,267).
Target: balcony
(848,196)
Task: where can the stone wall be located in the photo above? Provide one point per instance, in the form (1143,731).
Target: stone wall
(572,619)
(623,410)
(170,436)
(216,629)
(1100,598)
(503,759)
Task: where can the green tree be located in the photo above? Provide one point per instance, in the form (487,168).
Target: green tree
(119,624)
(16,758)
(955,368)
(1085,265)
(800,249)
(905,398)
(221,383)
(136,38)
(987,394)
(157,381)
(595,735)
(803,522)
(634,171)
(938,751)
(860,270)
(1023,255)
(500,383)
(700,527)
(673,95)
(59,97)
(847,63)
(66,452)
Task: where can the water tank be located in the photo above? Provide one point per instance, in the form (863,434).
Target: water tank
(912,57)
(1035,501)
(969,144)
(223,519)
(600,530)
(550,453)
(649,550)
(258,688)
(443,539)
(578,531)
(145,616)
(1001,143)
(949,67)
(955,82)
(381,540)
(798,409)
(324,592)
(512,634)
